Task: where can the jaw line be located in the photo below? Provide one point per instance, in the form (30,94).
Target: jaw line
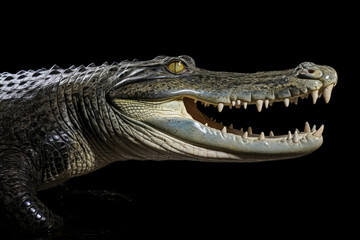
(181,126)
(248,149)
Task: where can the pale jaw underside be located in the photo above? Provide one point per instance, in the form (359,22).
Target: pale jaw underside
(178,122)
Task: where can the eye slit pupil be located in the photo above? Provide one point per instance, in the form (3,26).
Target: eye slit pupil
(176,66)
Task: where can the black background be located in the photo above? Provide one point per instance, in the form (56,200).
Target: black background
(307,196)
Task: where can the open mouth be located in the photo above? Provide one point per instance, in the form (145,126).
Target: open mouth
(235,131)
(260,120)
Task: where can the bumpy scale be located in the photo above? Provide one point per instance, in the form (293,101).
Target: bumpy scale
(56,123)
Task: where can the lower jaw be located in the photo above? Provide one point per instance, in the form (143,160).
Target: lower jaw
(248,148)
(191,130)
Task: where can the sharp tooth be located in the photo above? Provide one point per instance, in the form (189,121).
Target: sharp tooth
(319,132)
(220,107)
(245,135)
(313,128)
(245,105)
(224,130)
(259,104)
(315,95)
(296,137)
(250,131)
(266,103)
(271,134)
(262,136)
(231,126)
(206,124)
(296,100)
(286,102)
(238,102)
(289,135)
(195,100)
(233,103)
(327,92)
(307,127)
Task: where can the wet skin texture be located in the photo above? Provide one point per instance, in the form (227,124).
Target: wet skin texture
(60,123)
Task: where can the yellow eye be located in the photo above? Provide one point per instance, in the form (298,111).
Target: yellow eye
(176,66)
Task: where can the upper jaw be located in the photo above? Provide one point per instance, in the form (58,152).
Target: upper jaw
(233,90)
(287,85)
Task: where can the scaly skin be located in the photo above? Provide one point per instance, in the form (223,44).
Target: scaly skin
(60,123)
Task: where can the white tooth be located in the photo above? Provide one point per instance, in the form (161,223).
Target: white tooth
(296,137)
(296,100)
(289,135)
(250,131)
(206,124)
(262,136)
(327,92)
(238,102)
(266,103)
(315,95)
(307,127)
(233,103)
(297,130)
(286,102)
(271,134)
(245,135)
(220,107)
(195,101)
(259,104)
(313,128)
(245,105)
(319,132)
(224,130)
(231,126)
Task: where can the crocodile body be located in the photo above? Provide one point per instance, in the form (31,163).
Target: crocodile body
(56,123)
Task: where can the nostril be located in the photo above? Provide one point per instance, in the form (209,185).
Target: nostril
(311,71)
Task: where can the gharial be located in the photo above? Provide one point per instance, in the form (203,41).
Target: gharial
(56,123)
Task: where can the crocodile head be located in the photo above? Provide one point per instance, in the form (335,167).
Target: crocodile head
(165,103)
